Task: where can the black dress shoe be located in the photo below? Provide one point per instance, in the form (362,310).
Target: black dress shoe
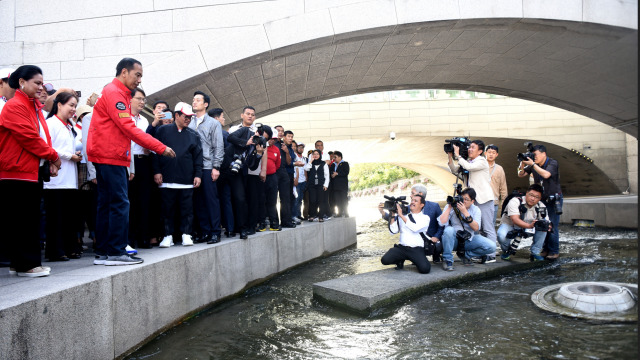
(61,258)
(212,239)
(244,235)
(204,239)
(251,232)
(289,225)
(229,235)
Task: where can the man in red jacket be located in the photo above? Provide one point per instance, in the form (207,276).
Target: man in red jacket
(109,149)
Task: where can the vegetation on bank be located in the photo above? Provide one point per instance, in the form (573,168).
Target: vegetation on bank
(367,175)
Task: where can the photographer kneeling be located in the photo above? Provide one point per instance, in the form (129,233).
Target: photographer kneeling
(462,220)
(411,244)
(523,217)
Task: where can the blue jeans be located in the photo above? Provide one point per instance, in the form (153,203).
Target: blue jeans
(552,243)
(207,205)
(538,239)
(300,188)
(112,223)
(478,245)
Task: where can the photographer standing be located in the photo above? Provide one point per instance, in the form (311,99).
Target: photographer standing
(546,173)
(527,215)
(463,225)
(411,244)
(478,178)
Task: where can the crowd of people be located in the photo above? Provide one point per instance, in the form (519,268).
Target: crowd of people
(134,183)
(467,223)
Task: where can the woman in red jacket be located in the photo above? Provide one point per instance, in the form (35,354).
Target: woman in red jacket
(25,144)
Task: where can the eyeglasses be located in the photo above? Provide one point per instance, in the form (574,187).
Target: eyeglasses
(534,196)
(466,199)
(144,100)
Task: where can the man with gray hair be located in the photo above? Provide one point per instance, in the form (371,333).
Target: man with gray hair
(431,209)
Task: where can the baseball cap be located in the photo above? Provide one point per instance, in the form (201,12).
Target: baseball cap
(5,73)
(301,144)
(184,108)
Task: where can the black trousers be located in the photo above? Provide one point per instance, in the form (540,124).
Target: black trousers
(184,197)
(237,182)
(226,207)
(332,200)
(207,205)
(286,191)
(340,200)
(305,200)
(257,201)
(271,192)
(20,219)
(60,222)
(139,202)
(317,200)
(400,253)
(88,201)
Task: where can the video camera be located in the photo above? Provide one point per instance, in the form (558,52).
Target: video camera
(529,154)
(461,142)
(390,204)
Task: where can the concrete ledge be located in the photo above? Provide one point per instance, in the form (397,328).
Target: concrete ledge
(606,211)
(363,293)
(115,309)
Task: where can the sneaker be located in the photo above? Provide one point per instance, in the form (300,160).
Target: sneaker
(35,272)
(327,217)
(490,259)
(167,241)
(131,251)
(186,240)
(297,221)
(261,228)
(447,266)
(505,256)
(122,260)
(275,229)
(99,259)
(479,259)
(536,257)
(467,261)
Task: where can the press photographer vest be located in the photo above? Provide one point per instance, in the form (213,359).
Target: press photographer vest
(316,174)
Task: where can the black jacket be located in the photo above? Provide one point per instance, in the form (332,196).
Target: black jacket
(188,161)
(341,181)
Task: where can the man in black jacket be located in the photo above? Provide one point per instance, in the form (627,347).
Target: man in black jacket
(340,183)
(177,177)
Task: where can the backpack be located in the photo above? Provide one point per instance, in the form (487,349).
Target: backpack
(514,193)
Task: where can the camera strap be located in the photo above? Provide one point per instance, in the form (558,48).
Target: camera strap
(389,225)
(424,236)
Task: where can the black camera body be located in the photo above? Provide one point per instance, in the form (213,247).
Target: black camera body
(451,200)
(552,200)
(461,142)
(542,225)
(390,204)
(259,140)
(236,164)
(529,154)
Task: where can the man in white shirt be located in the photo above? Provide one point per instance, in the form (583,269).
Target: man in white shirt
(478,178)
(411,244)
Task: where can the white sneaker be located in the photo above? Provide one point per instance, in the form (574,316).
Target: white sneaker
(131,251)
(166,242)
(35,272)
(186,240)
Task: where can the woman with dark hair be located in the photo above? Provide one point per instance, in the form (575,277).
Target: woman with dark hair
(317,182)
(60,194)
(25,144)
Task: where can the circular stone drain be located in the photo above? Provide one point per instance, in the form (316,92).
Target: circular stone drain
(590,300)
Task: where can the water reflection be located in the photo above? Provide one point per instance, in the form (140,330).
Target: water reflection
(493,318)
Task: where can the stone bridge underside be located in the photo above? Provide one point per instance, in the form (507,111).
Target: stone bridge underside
(587,68)
(426,156)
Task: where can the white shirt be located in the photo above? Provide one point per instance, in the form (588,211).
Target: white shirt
(302,177)
(479,177)
(63,142)
(409,231)
(142,124)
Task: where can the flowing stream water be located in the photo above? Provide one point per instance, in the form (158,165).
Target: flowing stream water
(494,318)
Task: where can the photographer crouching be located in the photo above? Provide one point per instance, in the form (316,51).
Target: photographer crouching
(411,244)
(462,219)
(545,172)
(523,217)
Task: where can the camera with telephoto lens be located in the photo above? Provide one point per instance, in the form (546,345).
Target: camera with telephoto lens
(390,204)
(456,198)
(460,142)
(529,154)
(236,164)
(259,139)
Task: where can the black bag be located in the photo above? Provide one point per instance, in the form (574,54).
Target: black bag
(44,172)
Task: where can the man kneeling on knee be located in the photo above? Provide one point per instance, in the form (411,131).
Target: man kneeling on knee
(524,216)
(411,244)
(462,221)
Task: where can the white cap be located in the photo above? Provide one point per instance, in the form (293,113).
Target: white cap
(184,108)
(6,72)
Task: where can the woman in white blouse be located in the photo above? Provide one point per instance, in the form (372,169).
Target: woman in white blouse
(317,182)
(61,192)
